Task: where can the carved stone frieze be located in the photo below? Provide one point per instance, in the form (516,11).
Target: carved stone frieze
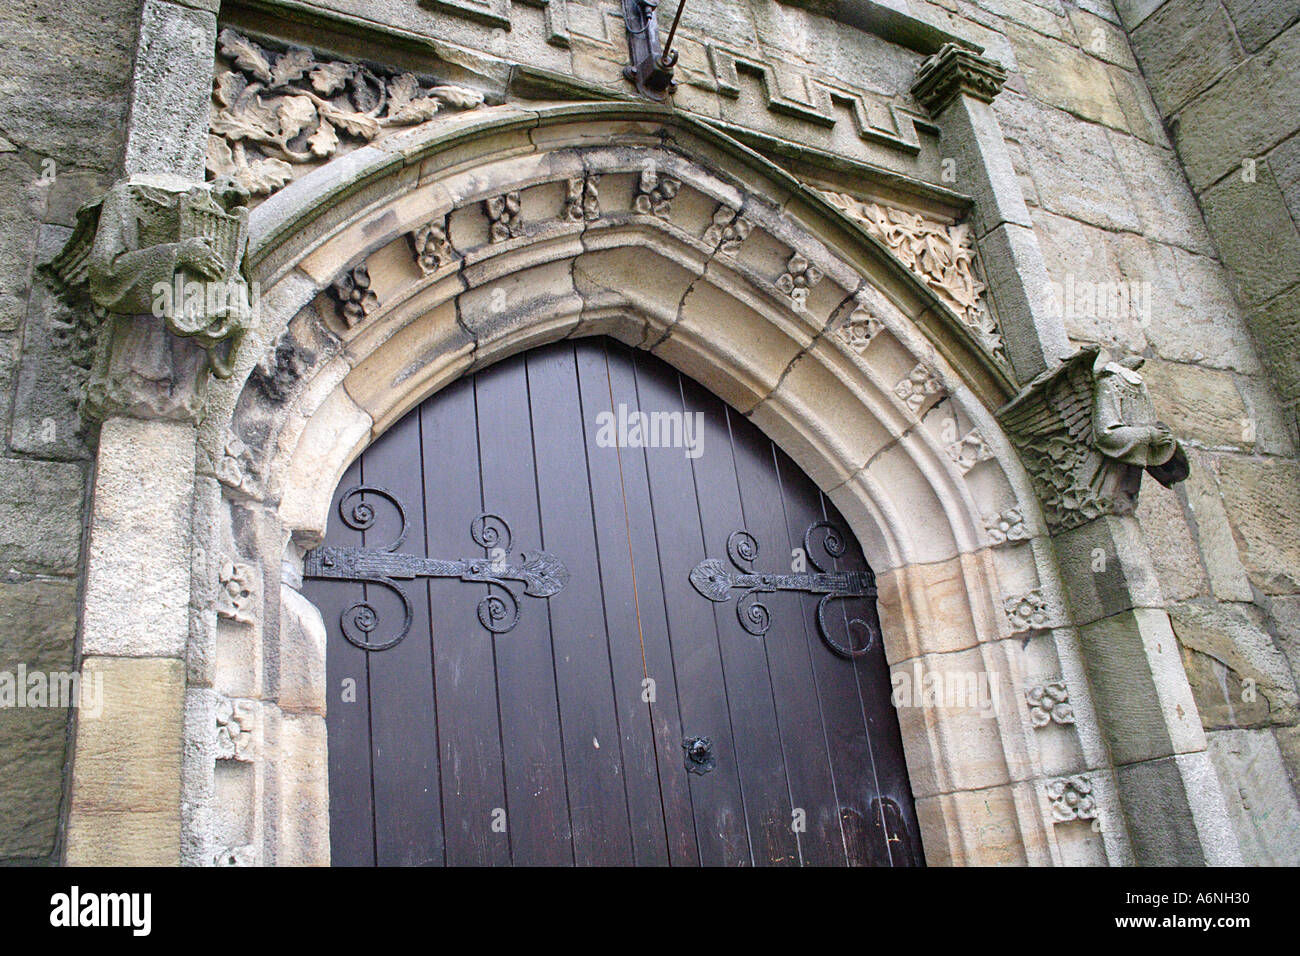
(917,387)
(955,70)
(941,255)
(859,329)
(582,199)
(1049,703)
(503,214)
(655,193)
(1007,526)
(236,467)
(431,246)
(800,277)
(237,593)
(274,112)
(1085,431)
(727,230)
(1071,799)
(1026,612)
(969,450)
(352,295)
(235,719)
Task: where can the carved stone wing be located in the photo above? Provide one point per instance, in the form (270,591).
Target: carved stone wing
(1051,423)
(1056,403)
(70,269)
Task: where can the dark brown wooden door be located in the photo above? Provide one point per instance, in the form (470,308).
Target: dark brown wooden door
(568,737)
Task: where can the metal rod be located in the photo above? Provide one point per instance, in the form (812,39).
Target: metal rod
(673,29)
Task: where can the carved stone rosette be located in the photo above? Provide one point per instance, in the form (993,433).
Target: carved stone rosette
(1071,799)
(1049,703)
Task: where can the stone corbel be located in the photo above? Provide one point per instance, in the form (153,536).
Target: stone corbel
(1085,431)
(952,71)
(159,260)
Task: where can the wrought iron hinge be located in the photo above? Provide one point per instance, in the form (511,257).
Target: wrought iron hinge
(713,579)
(541,573)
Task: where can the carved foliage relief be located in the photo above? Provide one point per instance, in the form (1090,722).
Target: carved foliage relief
(942,256)
(273,111)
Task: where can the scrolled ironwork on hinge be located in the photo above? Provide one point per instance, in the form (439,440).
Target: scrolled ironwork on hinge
(541,573)
(713,579)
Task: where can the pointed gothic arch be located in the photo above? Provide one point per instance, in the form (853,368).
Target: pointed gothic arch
(398,268)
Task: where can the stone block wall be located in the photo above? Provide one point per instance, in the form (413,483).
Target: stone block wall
(1222,75)
(1127,123)
(63,105)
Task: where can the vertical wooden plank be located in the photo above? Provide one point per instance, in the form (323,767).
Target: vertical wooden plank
(716,798)
(748,687)
(465,677)
(851,759)
(593,760)
(347,714)
(659,799)
(404,740)
(790,673)
(894,816)
(530,720)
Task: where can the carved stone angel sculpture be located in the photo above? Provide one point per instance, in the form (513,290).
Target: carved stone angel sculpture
(163,246)
(1086,430)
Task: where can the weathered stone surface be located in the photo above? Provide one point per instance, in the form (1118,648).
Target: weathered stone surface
(1225,645)
(1194,317)
(1285,612)
(1167,828)
(168,130)
(1256,236)
(1228,580)
(1134,12)
(1079,255)
(1259,796)
(38,623)
(1160,195)
(1199,404)
(1073,165)
(1139,686)
(1284,161)
(1217,130)
(1183,47)
(126,778)
(1061,76)
(22,204)
(1101,38)
(139,563)
(1262,499)
(1258,21)
(73,113)
(47,538)
(1277,327)
(1170,543)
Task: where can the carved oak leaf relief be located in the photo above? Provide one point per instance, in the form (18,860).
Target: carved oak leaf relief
(941,255)
(276,112)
